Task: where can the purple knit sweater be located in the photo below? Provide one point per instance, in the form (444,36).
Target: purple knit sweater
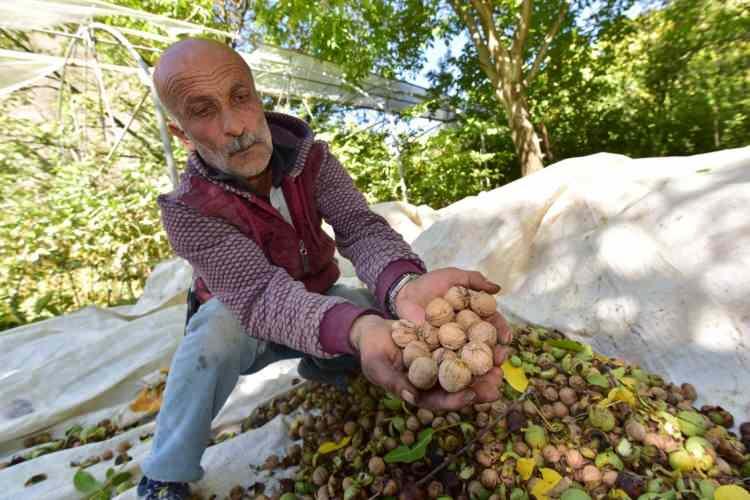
(269,304)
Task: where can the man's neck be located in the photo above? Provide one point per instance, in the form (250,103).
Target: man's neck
(261,183)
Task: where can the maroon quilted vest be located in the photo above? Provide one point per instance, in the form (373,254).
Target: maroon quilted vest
(304,250)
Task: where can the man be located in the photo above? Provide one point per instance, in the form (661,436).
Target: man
(247,216)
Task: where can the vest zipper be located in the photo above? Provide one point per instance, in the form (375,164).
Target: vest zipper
(303,253)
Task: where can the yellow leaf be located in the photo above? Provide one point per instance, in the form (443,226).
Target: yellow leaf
(515,376)
(620,394)
(629,381)
(731,492)
(549,480)
(525,467)
(330,446)
(147,401)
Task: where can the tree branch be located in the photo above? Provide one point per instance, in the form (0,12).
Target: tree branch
(485,58)
(519,39)
(500,55)
(551,34)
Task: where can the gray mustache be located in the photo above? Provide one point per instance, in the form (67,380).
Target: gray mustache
(242,142)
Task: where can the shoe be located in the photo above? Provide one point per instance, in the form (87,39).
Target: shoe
(151,489)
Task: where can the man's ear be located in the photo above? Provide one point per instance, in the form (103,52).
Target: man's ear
(177,131)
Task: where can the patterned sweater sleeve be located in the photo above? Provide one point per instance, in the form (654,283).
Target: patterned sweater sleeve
(362,236)
(269,304)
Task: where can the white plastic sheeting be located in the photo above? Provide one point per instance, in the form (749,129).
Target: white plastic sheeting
(646,259)
(278,72)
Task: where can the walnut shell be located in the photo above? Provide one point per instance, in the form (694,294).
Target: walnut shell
(441,353)
(423,373)
(439,312)
(466,318)
(483,332)
(451,336)
(429,335)
(413,350)
(454,375)
(483,304)
(478,357)
(457,297)
(403,331)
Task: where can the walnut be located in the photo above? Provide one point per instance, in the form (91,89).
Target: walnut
(466,318)
(423,373)
(457,297)
(478,357)
(454,375)
(413,350)
(451,336)
(483,304)
(483,332)
(441,353)
(402,338)
(429,335)
(439,312)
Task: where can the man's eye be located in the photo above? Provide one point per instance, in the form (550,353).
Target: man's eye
(201,111)
(242,97)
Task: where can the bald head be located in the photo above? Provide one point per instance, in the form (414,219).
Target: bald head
(208,89)
(180,61)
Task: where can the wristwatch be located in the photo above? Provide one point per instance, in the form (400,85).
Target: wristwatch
(395,288)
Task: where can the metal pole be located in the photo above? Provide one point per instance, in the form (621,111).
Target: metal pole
(145,76)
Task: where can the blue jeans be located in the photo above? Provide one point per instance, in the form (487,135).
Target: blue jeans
(205,369)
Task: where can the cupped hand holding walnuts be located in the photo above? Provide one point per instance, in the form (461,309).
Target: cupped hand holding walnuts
(414,297)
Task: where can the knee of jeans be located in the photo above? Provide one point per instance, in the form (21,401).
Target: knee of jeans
(218,333)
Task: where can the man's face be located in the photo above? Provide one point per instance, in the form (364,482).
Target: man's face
(219,112)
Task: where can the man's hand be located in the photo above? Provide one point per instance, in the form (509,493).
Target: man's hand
(414,297)
(382,365)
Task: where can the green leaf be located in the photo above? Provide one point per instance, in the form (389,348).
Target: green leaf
(399,424)
(85,482)
(598,379)
(121,477)
(392,402)
(568,345)
(408,455)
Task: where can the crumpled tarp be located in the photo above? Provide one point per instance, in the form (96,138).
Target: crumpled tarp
(647,259)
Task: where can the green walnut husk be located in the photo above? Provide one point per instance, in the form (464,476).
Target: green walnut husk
(574,494)
(691,423)
(609,458)
(702,451)
(602,418)
(682,461)
(535,436)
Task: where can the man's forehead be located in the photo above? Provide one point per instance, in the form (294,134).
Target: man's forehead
(201,66)
(192,82)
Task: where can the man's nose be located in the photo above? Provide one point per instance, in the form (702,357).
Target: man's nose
(233,124)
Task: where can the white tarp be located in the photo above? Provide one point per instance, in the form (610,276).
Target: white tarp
(646,259)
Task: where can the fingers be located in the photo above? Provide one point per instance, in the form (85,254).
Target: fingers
(487,387)
(504,333)
(389,374)
(500,354)
(477,281)
(438,399)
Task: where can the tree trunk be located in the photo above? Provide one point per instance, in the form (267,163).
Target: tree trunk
(525,138)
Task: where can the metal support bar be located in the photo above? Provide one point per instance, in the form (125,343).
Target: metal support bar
(145,76)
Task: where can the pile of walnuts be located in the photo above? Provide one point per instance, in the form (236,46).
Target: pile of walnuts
(453,345)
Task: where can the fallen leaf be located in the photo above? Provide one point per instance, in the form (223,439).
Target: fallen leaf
(525,467)
(515,376)
(731,492)
(147,401)
(330,446)
(549,480)
(620,394)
